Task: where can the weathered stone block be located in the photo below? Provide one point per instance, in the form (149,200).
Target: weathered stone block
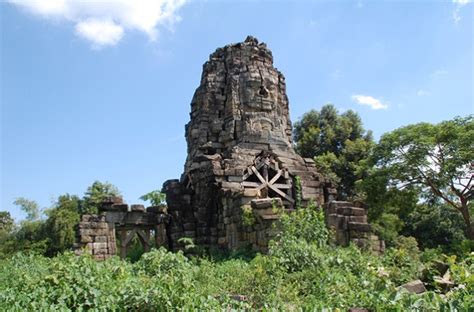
(415,286)
(99,246)
(234,178)
(85,239)
(139,208)
(100,239)
(360,219)
(119,207)
(190,234)
(267,203)
(103,251)
(358,226)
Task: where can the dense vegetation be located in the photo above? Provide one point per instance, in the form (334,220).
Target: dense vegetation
(302,270)
(416,181)
(417,185)
(51,230)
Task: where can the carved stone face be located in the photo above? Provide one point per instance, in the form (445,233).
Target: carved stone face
(259,98)
(257,92)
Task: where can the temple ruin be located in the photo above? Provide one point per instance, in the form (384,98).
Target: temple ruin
(241,158)
(241,169)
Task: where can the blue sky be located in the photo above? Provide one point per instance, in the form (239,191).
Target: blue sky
(102,91)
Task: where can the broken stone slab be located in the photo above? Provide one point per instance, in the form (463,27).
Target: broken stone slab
(110,200)
(138,208)
(336,221)
(441,267)
(263,203)
(416,287)
(445,282)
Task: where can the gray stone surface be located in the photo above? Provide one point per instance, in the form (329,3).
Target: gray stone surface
(95,237)
(241,170)
(415,286)
(350,225)
(239,124)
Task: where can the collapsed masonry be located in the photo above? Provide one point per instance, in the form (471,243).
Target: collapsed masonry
(240,166)
(96,234)
(241,160)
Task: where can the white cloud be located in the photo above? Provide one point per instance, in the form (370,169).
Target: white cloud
(369,101)
(100,32)
(457,11)
(105,22)
(422,92)
(462,2)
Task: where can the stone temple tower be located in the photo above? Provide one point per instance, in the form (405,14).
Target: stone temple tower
(241,162)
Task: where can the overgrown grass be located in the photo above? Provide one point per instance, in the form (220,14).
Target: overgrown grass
(302,271)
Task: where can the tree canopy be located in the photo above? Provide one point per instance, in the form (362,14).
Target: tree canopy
(61,222)
(436,158)
(30,207)
(155,197)
(338,143)
(96,194)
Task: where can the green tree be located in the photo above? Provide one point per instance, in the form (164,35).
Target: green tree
(438,159)
(155,197)
(30,207)
(338,143)
(95,195)
(6,228)
(434,225)
(388,207)
(6,222)
(60,225)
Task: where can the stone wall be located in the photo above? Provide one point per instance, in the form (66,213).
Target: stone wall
(96,234)
(348,220)
(96,237)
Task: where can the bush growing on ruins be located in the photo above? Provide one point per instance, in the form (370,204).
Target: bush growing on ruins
(304,224)
(248,217)
(95,195)
(155,197)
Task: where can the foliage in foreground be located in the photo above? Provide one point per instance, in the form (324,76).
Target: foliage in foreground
(302,270)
